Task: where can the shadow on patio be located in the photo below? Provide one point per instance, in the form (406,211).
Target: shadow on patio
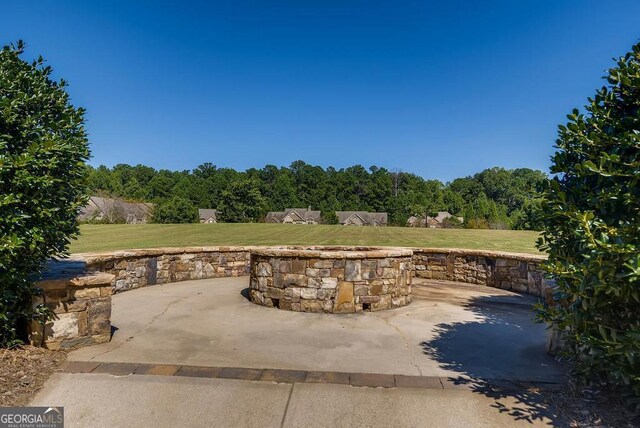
(500,356)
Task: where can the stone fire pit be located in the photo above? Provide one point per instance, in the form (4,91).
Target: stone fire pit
(331,279)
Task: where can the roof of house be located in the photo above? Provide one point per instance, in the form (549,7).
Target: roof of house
(275,215)
(442,215)
(303,214)
(206,213)
(98,204)
(366,217)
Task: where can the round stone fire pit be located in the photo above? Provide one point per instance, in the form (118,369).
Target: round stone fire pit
(331,279)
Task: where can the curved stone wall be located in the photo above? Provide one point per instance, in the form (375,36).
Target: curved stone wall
(140,268)
(516,272)
(80,296)
(331,280)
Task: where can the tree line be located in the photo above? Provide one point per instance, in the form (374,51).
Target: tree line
(494,198)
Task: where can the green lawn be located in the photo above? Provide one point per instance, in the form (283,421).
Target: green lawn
(129,236)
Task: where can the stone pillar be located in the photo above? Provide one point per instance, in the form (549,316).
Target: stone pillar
(81,306)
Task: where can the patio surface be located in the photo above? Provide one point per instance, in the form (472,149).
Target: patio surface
(457,346)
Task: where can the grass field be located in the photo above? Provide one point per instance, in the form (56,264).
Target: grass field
(129,236)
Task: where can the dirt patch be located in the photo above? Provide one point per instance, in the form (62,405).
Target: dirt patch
(24,370)
(592,407)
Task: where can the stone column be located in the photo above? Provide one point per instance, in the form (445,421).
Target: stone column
(81,306)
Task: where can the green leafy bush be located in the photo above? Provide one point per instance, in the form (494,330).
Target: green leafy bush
(591,219)
(175,210)
(43,147)
(452,223)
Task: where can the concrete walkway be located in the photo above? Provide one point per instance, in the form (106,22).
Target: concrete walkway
(101,400)
(450,331)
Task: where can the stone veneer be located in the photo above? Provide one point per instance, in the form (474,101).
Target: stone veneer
(80,296)
(516,272)
(81,306)
(332,280)
(140,268)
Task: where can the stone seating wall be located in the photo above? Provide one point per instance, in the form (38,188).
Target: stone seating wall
(79,289)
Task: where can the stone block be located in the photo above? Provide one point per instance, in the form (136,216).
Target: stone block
(324,273)
(311,306)
(295,279)
(298,266)
(264,269)
(208,270)
(383,303)
(376,289)
(339,263)
(352,270)
(320,264)
(293,294)
(388,273)
(256,296)
(326,293)
(312,272)
(519,287)
(369,299)
(85,293)
(338,273)
(360,289)
(383,263)
(63,326)
(285,304)
(274,293)
(329,283)
(63,307)
(344,298)
(285,266)
(262,283)
(309,293)
(99,316)
(314,282)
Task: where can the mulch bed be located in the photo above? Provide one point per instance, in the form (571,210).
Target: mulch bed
(24,370)
(592,407)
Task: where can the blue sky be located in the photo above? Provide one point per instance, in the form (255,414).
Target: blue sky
(442,89)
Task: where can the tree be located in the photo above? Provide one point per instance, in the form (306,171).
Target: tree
(242,202)
(591,216)
(529,217)
(175,210)
(43,149)
(499,195)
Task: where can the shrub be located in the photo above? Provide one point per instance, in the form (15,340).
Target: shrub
(476,223)
(175,210)
(329,217)
(529,217)
(452,223)
(43,147)
(591,218)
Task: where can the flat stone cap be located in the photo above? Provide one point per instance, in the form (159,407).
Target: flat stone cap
(333,252)
(65,272)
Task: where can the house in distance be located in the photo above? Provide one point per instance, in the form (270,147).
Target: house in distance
(294,216)
(115,210)
(208,215)
(432,222)
(361,218)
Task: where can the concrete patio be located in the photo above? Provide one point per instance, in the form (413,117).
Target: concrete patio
(482,335)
